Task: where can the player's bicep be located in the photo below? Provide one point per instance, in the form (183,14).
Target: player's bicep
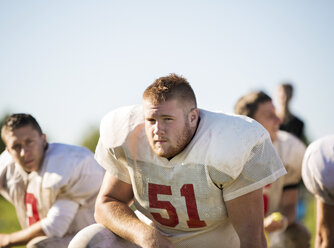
(246,215)
(113,189)
(288,204)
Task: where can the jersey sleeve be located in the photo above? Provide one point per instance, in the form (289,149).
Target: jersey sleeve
(263,166)
(114,131)
(79,189)
(59,217)
(85,181)
(113,161)
(294,164)
(5,169)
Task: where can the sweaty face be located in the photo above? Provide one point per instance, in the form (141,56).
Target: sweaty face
(267,117)
(26,146)
(168,128)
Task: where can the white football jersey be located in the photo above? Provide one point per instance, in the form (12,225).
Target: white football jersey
(229,156)
(291,151)
(61,194)
(318,169)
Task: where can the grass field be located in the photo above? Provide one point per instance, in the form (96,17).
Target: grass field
(9,223)
(309,219)
(8,219)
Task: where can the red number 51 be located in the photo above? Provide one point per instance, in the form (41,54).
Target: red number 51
(187,191)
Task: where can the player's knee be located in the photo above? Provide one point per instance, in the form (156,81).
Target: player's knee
(35,242)
(95,235)
(49,242)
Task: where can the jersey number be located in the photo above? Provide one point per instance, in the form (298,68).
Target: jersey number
(187,191)
(32,212)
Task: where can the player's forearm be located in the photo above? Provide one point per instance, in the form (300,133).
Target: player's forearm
(248,222)
(290,215)
(24,236)
(289,204)
(290,212)
(121,220)
(252,240)
(324,240)
(325,225)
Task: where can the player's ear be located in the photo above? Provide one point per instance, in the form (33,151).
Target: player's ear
(4,140)
(43,136)
(193,117)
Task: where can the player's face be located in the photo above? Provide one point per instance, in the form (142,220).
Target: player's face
(26,146)
(267,117)
(282,96)
(169,128)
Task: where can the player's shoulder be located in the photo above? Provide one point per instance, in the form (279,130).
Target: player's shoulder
(233,126)
(9,169)
(322,144)
(123,113)
(5,158)
(64,157)
(287,137)
(225,141)
(319,152)
(119,123)
(63,162)
(71,151)
(6,161)
(289,140)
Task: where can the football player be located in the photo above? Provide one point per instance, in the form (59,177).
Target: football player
(196,175)
(280,196)
(318,177)
(289,122)
(52,186)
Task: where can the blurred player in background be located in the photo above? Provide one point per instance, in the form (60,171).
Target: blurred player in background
(289,122)
(282,195)
(196,175)
(52,186)
(318,177)
(294,125)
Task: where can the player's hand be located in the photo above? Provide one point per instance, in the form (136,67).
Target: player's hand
(275,222)
(154,239)
(4,240)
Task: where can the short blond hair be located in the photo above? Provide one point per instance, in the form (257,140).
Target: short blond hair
(168,88)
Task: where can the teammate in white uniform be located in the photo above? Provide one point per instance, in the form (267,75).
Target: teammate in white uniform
(282,195)
(196,175)
(52,186)
(318,176)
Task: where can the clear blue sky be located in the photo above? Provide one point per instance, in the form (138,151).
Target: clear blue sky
(70,62)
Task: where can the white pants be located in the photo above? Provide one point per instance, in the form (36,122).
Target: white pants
(46,242)
(98,236)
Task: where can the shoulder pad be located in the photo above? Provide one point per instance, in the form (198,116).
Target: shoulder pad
(225,141)
(118,124)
